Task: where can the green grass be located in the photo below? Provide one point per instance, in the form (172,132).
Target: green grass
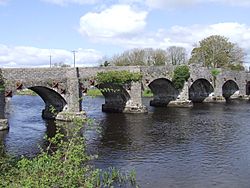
(26,92)
(94,92)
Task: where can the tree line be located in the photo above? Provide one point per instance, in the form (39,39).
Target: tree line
(213,52)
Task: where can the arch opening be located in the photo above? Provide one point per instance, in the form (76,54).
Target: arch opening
(163,92)
(116,97)
(229,88)
(200,90)
(248,88)
(54,102)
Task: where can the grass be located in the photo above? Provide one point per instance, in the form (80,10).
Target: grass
(26,92)
(94,92)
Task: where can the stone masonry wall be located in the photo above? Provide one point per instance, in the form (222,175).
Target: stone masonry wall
(67,76)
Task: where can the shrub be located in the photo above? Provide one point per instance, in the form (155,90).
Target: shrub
(62,164)
(118,77)
(181,75)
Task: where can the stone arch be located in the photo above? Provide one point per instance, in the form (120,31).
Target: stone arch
(248,88)
(116,96)
(163,91)
(200,90)
(54,102)
(229,88)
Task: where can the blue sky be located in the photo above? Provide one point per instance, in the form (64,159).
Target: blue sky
(31,30)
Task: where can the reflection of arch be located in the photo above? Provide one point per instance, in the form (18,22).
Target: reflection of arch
(229,88)
(115,95)
(52,99)
(200,90)
(248,88)
(164,92)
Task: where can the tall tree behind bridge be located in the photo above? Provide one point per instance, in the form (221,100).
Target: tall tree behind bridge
(141,57)
(218,52)
(176,55)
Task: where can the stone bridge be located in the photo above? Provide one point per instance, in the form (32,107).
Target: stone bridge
(62,88)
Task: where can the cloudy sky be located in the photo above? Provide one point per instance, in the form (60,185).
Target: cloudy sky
(32,30)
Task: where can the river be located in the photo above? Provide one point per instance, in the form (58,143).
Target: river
(204,146)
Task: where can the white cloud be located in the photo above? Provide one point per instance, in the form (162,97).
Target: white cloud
(116,21)
(184,36)
(153,4)
(3,2)
(66,2)
(168,4)
(25,56)
(233,2)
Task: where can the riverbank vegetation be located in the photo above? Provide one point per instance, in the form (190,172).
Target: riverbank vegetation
(64,163)
(94,92)
(26,92)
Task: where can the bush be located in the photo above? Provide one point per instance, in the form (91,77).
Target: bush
(63,165)
(181,75)
(237,67)
(118,77)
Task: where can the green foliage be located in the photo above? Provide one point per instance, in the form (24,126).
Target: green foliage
(237,67)
(94,92)
(2,87)
(218,52)
(181,75)
(26,92)
(53,110)
(118,77)
(215,72)
(62,164)
(147,93)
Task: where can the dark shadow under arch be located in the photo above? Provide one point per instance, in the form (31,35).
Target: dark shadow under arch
(229,88)
(54,102)
(116,96)
(200,90)
(163,92)
(248,88)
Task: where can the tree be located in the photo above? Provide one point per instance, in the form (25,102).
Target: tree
(176,55)
(140,57)
(218,52)
(157,57)
(60,64)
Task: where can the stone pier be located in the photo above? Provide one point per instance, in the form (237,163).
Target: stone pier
(122,98)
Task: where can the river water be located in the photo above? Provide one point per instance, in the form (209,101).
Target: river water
(204,146)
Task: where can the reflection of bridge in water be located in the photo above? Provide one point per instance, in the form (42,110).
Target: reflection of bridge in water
(61,88)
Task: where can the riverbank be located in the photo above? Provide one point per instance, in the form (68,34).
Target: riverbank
(26,92)
(63,163)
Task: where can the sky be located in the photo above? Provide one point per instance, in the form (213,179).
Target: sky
(32,31)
